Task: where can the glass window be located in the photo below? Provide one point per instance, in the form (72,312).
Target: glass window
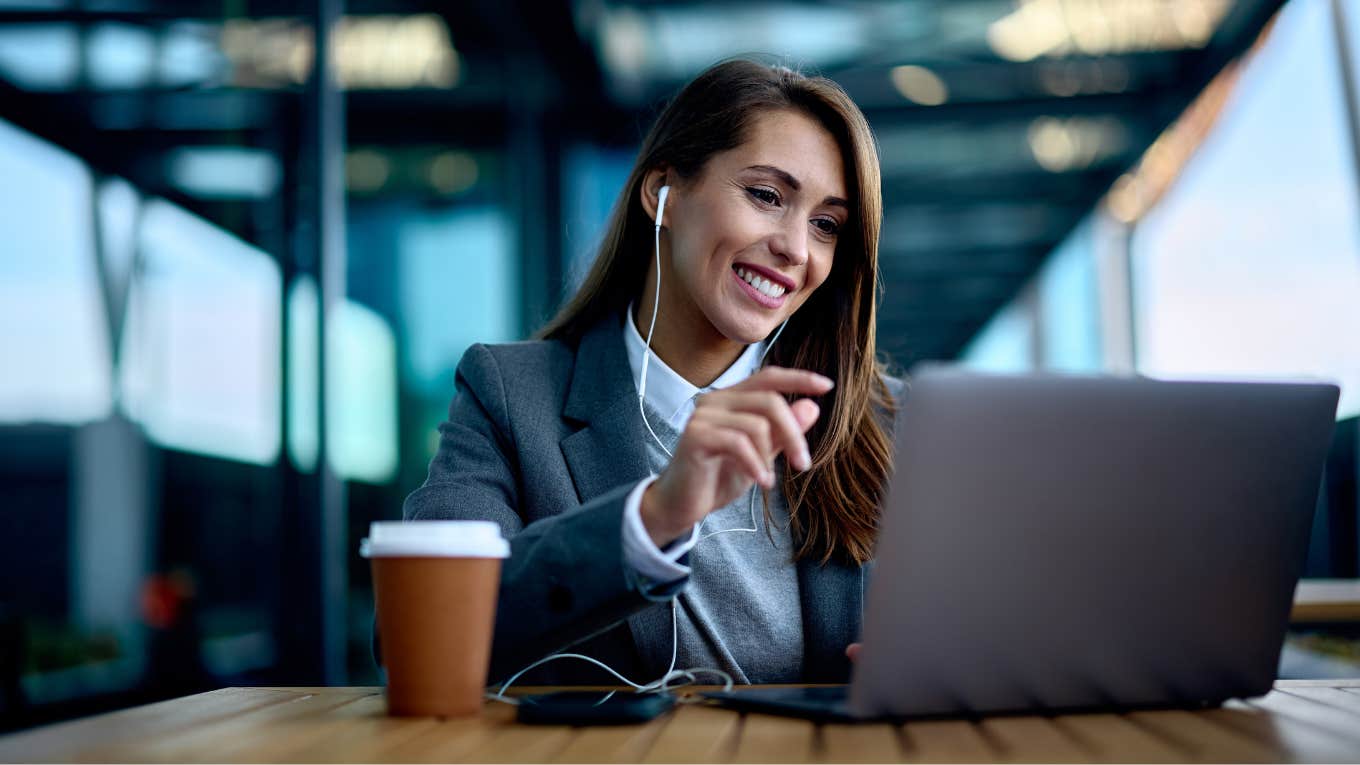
(362,395)
(458,284)
(53,330)
(1250,266)
(361,403)
(302,374)
(1006,343)
(1069,307)
(592,179)
(201,355)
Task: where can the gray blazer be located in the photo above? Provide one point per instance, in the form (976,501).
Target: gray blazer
(546,440)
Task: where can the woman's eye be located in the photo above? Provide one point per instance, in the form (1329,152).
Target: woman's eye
(827,226)
(766,196)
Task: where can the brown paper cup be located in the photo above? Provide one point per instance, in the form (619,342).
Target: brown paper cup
(436,617)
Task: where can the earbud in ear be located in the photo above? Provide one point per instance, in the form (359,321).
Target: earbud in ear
(661,203)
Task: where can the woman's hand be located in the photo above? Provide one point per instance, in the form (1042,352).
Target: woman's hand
(852,651)
(729,443)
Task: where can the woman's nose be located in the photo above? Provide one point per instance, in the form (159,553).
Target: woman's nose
(791,243)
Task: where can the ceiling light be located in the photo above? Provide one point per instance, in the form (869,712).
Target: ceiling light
(920,85)
(366,171)
(1099,27)
(452,172)
(1068,78)
(371,52)
(1075,143)
(1053,145)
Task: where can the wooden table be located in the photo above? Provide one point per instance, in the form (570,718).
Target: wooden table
(1301,721)
(1326,600)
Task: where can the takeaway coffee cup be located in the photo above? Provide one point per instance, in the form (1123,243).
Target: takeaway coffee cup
(435,583)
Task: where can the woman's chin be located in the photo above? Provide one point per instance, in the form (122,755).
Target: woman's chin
(747,329)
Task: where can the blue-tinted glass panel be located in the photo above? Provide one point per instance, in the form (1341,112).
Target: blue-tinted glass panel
(1069,307)
(361,393)
(303,360)
(1005,344)
(361,402)
(592,180)
(53,337)
(1250,266)
(458,284)
(201,351)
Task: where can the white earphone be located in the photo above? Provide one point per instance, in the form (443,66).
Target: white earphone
(656,303)
(646,357)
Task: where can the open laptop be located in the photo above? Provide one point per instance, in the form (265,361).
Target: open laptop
(1061,543)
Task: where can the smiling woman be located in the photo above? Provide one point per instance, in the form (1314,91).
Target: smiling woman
(748,239)
(740,267)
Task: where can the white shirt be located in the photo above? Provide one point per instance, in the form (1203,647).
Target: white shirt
(673,395)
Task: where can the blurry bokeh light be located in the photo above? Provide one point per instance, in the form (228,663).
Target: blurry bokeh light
(1099,27)
(366,171)
(920,85)
(371,52)
(452,172)
(1060,145)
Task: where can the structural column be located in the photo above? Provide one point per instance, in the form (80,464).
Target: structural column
(315,551)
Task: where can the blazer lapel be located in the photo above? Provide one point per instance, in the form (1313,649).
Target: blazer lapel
(608,452)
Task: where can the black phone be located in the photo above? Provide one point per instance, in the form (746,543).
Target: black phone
(593,707)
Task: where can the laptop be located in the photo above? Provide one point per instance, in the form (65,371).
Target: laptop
(1055,543)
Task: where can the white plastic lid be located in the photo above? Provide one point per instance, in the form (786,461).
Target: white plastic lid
(434,539)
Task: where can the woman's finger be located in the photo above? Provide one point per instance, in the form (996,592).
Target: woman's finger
(785,380)
(734,446)
(806,411)
(787,433)
(758,428)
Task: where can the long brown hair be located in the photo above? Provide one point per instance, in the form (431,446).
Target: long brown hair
(834,506)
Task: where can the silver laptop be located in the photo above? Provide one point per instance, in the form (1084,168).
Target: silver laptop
(1062,543)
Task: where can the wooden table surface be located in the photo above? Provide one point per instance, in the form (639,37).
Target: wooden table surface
(1301,721)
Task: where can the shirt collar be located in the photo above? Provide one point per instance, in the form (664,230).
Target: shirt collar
(667,391)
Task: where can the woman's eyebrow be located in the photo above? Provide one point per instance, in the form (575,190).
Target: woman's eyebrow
(794,184)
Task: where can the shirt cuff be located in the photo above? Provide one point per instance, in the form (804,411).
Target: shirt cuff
(641,553)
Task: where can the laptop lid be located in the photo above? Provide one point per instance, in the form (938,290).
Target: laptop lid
(1067,542)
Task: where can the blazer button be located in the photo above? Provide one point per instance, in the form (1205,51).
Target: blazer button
(559,598)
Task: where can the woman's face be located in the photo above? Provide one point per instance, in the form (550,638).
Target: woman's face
(754,233)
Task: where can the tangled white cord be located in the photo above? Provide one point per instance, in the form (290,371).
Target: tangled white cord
(656,686)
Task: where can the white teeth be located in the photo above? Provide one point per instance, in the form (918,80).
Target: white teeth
(763,286)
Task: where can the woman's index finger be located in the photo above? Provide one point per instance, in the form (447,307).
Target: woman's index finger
(785,380)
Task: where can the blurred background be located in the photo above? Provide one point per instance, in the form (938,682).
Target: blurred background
(244,243)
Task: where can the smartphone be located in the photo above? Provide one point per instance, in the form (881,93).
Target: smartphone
(593,707)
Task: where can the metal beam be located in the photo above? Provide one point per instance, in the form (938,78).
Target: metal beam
(1074,189)
(326,102)
(315,645)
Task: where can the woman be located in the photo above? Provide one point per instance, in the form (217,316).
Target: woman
(621,453)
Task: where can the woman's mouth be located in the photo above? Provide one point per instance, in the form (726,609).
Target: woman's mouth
(758,288)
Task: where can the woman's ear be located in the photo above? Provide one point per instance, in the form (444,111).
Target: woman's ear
(650,192)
